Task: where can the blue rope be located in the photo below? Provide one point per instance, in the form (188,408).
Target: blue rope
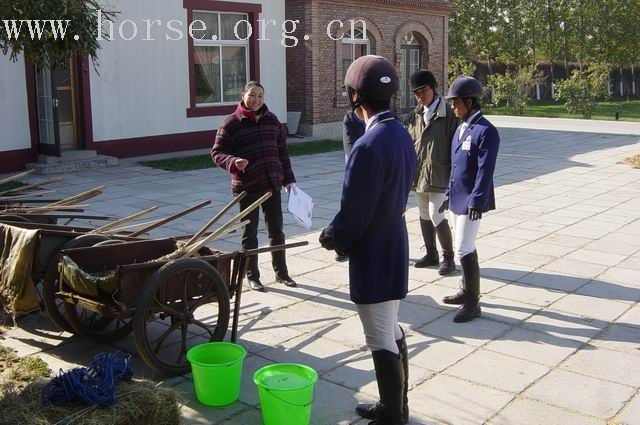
(93,385)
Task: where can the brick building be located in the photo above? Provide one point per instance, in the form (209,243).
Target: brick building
(412,34)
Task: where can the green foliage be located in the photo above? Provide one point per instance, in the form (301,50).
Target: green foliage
(51,51)
(581,92)
(515,88)
(458,67)
(533,31)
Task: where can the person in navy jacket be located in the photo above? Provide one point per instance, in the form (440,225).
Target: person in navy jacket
(473,160)
(371,229)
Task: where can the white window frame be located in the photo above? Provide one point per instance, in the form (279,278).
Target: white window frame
(220,44)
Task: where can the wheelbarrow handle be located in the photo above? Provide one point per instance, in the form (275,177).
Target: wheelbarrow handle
(256,251)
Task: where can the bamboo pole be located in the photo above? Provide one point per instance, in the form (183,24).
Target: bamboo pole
(170,218)
(25,196)
(132,226)
(32,186)
(124,220)
(16,177)
(79,197)
(211,222)
(46,209)
(215,235)
(236,218)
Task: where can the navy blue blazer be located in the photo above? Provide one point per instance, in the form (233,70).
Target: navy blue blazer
(471,183)
(370,226)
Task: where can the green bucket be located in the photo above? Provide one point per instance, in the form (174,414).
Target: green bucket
(286,393)
(217,372)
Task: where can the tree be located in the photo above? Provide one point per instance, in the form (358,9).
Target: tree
(459,67)
(62,27)
(581,92)
(515,88)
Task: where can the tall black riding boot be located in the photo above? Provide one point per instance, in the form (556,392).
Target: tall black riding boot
(404,356)
(448,264)
(370,410)
(429,237)
(471,273)
(390,377)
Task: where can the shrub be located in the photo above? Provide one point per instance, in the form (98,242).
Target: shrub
(514,89)
(582,91)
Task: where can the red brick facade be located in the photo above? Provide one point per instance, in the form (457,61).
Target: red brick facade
(314,67)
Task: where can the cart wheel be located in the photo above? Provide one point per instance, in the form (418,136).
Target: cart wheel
(94,325)
(14,217)
(53,304)
(184,303)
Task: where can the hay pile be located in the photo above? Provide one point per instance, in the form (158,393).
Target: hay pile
(22,380)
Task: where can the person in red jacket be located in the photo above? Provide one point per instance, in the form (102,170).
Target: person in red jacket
(252,146)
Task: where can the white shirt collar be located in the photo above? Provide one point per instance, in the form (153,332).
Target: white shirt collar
(429,110)
(470,119)
(371,119)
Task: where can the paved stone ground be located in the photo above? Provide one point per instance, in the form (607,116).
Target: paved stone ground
(558,342)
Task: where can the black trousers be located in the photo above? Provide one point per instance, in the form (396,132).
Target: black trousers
(272,210)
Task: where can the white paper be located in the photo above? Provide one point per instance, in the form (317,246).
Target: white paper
(301,206)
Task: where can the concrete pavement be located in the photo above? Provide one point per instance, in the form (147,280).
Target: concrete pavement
(560,261)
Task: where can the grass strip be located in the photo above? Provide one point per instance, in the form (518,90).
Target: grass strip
(628,110)
(200,162)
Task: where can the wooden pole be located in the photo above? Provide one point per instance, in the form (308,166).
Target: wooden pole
(169,219)
(32,186)
(211,222)
(215,235)
(16,177)
(124,220)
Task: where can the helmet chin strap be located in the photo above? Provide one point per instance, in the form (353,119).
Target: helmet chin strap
(355,104)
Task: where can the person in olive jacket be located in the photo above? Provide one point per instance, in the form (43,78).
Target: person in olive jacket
(252,146)
(432,125)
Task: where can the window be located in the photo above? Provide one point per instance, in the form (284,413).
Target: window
(222,58)
(410,61)
(353,48)
(220,64)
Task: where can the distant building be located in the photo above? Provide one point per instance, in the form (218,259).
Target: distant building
(163,93)
(412,34)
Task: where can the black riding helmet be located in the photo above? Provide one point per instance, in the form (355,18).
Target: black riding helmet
(422,78)
(373,78)
(465,87)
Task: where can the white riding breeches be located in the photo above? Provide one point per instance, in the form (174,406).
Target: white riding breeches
(428,205)
(380,325)
(465,232)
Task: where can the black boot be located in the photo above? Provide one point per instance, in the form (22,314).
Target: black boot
(471,272)
(429,237)
(404,356)
(369,410)
(448,265)
(390,377)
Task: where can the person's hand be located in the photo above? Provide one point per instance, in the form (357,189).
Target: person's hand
(291,187)
(326,238)
(474,214)
(444,206)
(241,164)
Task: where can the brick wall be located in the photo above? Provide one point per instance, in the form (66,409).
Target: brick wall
(314,68)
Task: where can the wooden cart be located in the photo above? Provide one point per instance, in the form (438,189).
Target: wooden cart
(169,305)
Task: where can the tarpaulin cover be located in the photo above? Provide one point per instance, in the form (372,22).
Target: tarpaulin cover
(17,250)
